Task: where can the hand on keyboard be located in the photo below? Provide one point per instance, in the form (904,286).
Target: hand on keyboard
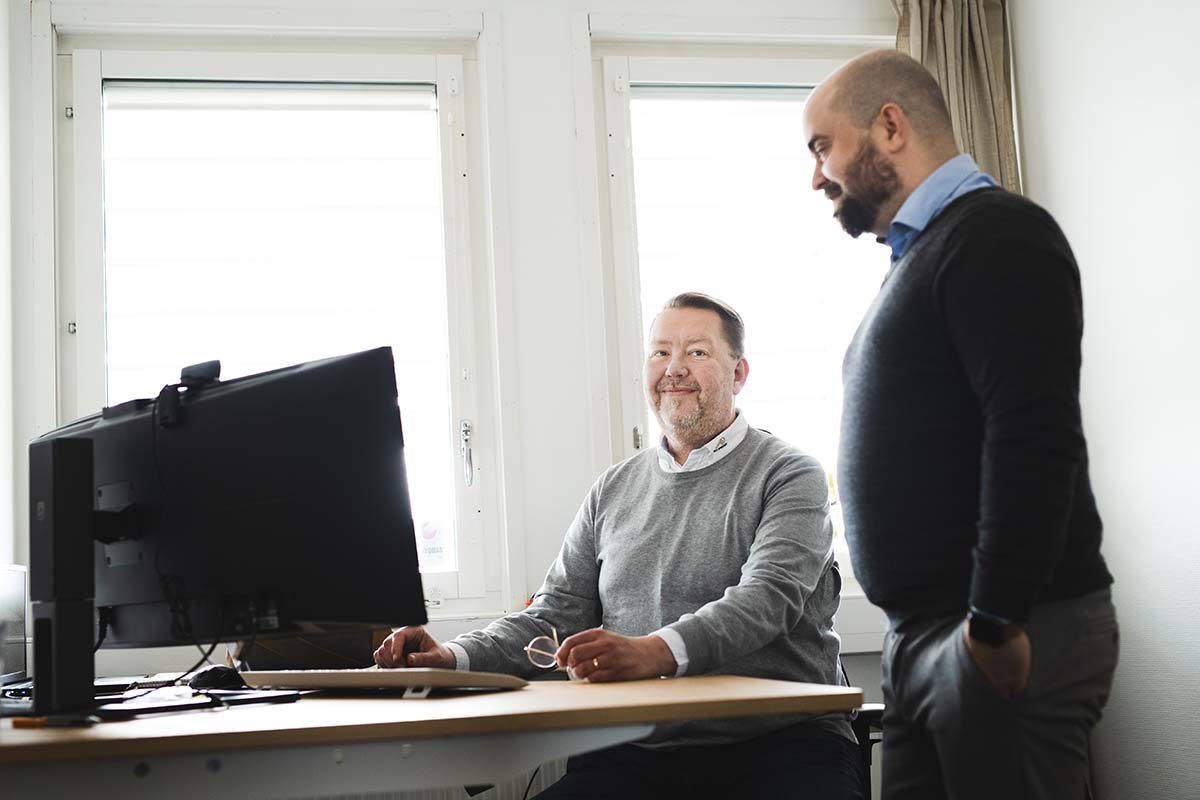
(414,647)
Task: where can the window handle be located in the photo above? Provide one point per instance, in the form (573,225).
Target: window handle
(464,443)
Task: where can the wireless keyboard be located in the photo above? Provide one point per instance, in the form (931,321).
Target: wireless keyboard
(415,681)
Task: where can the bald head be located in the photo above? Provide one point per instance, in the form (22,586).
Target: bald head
(877,128)
(861,87)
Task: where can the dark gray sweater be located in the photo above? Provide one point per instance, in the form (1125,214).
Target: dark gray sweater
(736,557)
(963,467)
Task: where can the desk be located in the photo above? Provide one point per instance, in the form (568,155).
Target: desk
(326,745)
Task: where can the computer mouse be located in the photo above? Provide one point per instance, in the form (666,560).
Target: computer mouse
(217,677)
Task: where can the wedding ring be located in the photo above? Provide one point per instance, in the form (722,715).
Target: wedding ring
(596,663)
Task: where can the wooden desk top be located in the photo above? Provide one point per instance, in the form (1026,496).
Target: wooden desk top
(325,720)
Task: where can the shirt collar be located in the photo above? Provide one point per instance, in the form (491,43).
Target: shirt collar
(717,448)
(945,184)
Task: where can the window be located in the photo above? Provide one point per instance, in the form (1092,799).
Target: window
(273,224)
(714,193)
(266,222)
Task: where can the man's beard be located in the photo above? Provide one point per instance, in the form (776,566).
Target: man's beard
(874,180)
(694,428)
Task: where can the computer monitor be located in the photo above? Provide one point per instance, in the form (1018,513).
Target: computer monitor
(267,505)
(14,596)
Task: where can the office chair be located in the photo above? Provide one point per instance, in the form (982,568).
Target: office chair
(866,720)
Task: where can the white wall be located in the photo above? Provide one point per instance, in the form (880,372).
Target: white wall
(18,422)
(1107,97)
(6,300)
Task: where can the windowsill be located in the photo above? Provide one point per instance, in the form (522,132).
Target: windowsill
(860,624)
(446,626)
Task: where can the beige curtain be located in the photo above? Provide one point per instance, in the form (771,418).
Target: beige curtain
(965,44)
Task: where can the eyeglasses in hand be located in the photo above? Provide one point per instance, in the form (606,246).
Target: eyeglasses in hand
(541,650)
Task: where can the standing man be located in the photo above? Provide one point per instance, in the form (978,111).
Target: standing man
(709,554)
(963,465)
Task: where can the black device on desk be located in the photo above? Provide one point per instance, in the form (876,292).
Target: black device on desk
(262,506)
(217,677)
(16,689)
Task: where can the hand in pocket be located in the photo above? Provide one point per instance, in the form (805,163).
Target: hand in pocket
(1006,666)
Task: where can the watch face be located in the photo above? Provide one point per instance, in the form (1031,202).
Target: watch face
(985,630)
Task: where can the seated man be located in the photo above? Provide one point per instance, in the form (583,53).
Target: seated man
(710,554)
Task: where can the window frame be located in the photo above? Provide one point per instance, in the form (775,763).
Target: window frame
(619,74)
(80,303)
(859,623)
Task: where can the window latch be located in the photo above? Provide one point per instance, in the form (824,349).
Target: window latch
(464,442)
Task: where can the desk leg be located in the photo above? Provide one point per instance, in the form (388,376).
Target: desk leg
(314,771)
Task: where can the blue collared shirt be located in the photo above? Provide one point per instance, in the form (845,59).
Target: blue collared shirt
(948,182)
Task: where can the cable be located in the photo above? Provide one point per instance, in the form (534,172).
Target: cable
(253,636)
(181,615)
(174,594)
(181,619)
(529,786)
(154,434)
(203,659)
(104,612)
(206,654)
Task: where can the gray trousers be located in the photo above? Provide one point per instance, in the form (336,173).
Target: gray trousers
(947,733)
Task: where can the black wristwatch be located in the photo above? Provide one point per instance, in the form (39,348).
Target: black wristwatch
(986,628)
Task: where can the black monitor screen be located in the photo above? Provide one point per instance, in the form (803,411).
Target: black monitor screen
(265,505)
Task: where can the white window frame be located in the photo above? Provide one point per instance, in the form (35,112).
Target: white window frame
(476,586)
(619,75)
(860,624)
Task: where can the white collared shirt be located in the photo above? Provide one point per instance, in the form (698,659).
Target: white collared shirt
(717,448)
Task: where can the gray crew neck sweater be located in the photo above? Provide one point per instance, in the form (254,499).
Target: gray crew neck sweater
(736,557)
